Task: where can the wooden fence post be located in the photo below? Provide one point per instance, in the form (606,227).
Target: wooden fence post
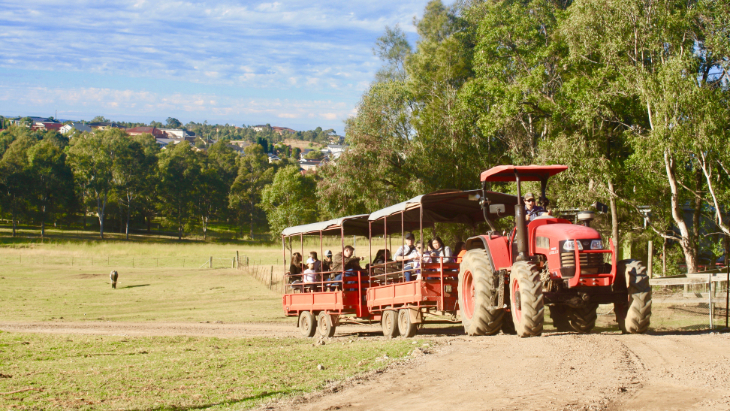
(271,277)
(651,259)
(238,261)
(211,262)
(709,296)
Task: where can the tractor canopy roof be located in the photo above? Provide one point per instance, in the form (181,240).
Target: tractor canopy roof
(526,173)
(444,206)
(350,225)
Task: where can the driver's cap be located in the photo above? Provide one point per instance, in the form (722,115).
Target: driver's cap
(529,196)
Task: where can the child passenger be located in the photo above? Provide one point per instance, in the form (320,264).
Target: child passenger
(317,263)
(310,274)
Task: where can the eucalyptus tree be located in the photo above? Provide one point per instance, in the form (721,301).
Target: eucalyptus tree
(52,180)
(289,200)
(91,156)
(670,58)
(254,174)
(179,174)
(15,176)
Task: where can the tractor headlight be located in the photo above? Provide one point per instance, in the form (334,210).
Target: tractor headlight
(596,245)
(569,245)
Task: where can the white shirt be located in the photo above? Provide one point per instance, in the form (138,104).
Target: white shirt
(310,276)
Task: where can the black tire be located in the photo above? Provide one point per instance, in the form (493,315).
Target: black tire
(634,315)
(559,315)
(307,324)
(482,317)
(583,318)
(389,322)
(326,325)
(528,306)
(406,328)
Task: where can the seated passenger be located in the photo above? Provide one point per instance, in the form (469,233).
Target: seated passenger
(346,262)
(460,248)
(408,254)
(382,256)
(310,274)
(317,263)
(295,268)
(327,262)
(440,251)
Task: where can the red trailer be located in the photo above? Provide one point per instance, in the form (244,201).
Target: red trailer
(404,305)
(324,304)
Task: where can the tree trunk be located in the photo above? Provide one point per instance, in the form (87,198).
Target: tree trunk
(251,225)
(179,223)
(43,222)
(614,220)
(205,227)
(678,216)
(129,212)
(15,221)
(696,213)
(100,208)
(149,223)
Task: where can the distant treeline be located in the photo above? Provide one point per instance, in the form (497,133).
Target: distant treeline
(46,177)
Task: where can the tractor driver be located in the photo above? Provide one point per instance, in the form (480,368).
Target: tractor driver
(532,210)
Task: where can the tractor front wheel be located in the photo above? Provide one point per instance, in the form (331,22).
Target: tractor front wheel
(528,306)
(583,318)
(559,315)
(307,324)
(478,294)
(634,314)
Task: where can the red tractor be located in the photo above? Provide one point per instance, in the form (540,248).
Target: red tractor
(505,282)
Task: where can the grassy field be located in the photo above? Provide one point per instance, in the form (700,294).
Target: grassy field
(94,372)
(67,281)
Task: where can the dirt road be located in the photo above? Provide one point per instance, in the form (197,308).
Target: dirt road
(558,371)
(553,372)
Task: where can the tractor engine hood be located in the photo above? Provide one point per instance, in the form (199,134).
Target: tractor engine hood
(560,232)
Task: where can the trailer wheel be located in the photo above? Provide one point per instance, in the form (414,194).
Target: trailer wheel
(583,319)
(559,315)
(528,307)
(406,328)
(307,324)
(326,324)
(478,287)
(634,314)
(389,323)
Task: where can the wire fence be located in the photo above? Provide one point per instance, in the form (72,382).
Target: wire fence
(120,261)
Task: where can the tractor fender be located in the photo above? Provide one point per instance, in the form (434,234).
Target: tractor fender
(497,246)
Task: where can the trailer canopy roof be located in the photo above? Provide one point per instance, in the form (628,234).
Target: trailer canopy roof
(446,206)
(352,225)
(527,173)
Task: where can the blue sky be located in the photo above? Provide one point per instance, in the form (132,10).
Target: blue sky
(299,64)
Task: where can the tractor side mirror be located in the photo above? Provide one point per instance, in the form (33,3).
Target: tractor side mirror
(496,209)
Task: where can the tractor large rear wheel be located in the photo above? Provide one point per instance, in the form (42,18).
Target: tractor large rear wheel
(478,294)
(583,318)
(634,315)
(528,306)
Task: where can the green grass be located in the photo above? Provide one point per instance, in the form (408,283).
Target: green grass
(93,372)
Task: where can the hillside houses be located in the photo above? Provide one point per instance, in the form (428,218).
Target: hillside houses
(75,126)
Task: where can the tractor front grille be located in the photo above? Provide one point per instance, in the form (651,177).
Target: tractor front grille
(589,264)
